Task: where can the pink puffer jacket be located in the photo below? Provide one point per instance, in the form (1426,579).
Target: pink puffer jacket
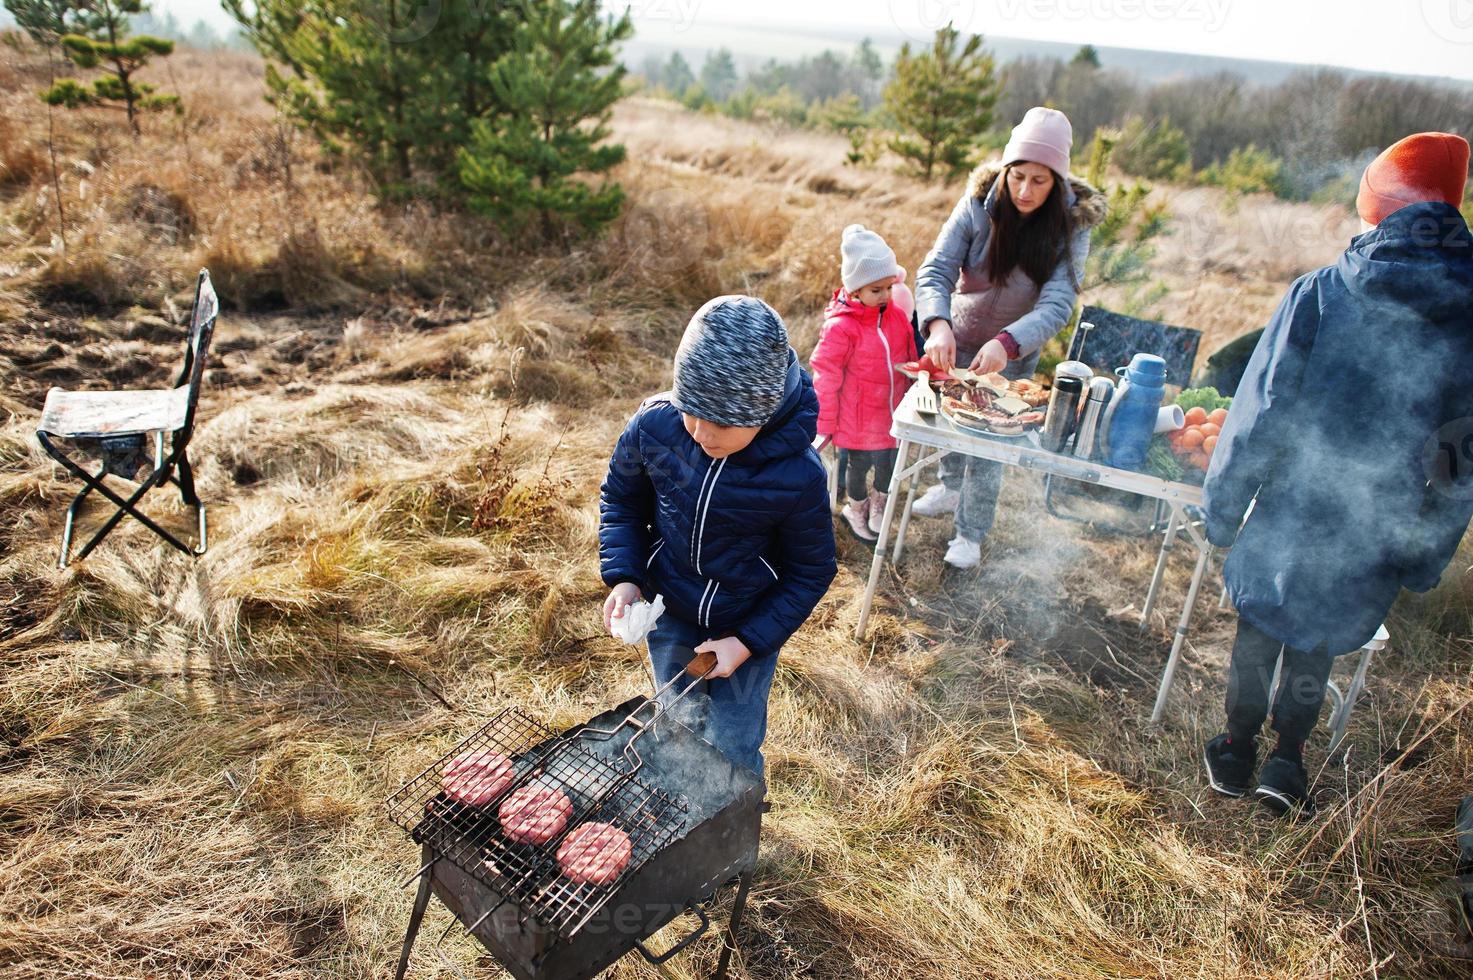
(854,371)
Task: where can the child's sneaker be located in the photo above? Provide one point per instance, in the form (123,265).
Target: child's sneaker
(1283,786)
(1230,767)
(877,510)
(856,518)
(937,501)
(963,553)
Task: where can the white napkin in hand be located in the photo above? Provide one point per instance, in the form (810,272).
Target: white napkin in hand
(638,620)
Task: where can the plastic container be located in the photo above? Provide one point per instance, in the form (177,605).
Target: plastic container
(1131,420)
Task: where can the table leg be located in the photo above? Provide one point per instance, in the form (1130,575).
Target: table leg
(910,496)
(1204,551)
(878,564)
(1166,545)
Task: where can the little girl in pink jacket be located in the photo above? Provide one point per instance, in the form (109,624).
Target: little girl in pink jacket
(866,332)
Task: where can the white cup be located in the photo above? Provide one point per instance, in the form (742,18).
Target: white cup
(1170,418)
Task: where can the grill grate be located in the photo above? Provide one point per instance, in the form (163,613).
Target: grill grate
(471,836)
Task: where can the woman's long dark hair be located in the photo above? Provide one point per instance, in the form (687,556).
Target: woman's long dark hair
(1036,242)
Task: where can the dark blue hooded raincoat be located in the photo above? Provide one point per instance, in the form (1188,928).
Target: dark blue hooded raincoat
(1353,426)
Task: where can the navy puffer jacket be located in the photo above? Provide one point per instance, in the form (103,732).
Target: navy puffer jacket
(742,546)
(1353,427)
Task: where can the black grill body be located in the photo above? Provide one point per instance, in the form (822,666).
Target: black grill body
(717,845)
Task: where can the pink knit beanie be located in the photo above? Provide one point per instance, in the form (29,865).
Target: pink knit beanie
(1044,136)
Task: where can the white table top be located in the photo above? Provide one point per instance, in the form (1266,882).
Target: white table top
(1022,452)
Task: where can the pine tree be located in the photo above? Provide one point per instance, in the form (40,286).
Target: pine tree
(677,76)
(393,84)
(719,75)
(46,20)
(1121,246)
(942,101)
(97,37)
(869,71)
(1088,55)
(559,76)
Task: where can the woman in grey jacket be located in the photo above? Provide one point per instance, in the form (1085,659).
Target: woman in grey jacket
(1001,280)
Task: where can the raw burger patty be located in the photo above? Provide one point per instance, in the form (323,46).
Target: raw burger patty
(535,814)
(476,777)
(594,854)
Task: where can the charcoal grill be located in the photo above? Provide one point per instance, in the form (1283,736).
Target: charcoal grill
(693,819)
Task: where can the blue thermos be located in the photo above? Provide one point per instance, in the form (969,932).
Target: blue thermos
(1130,421)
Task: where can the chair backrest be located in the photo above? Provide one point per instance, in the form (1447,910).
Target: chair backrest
(1115,338)
(202,319)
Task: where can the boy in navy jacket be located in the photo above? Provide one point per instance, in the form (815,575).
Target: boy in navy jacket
(716,500)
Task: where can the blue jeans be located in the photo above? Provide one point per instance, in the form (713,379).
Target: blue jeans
(978,481)
(730,712)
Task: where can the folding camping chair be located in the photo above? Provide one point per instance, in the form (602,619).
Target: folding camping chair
(1344,703)
(118,427)
(1106,341)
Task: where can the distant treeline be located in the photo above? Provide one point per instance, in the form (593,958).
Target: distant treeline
(1306,138)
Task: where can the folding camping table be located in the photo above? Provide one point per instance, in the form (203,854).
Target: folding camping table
(937,433)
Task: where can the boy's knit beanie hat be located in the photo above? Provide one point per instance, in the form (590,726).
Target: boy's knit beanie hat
(866,258)
(1421,167)
(1044,136)
(732,364)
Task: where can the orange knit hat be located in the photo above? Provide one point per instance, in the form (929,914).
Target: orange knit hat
(1422,167)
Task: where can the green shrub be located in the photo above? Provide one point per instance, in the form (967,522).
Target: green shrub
(1156,150)
(1247,170)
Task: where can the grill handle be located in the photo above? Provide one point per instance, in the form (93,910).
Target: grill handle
(679,947)
(701,664)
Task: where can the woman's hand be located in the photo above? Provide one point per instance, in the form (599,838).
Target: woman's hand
(941,345)
(620,598)
(730,652)
(992,358)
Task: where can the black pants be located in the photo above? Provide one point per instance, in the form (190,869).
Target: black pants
(861,461)
(1301,693)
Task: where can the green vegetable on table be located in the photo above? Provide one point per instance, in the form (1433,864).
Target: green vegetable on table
(1207,399)
(1162,462)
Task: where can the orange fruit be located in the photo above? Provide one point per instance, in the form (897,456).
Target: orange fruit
(1201,461)
(1196,416)
(1209,444)
(1218,416)
(1211,429)
(1191,438)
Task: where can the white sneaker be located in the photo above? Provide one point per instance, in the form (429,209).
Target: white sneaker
(962,553)
(936,501)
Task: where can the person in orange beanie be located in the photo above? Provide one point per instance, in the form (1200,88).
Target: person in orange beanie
(1422,167)
(1353,498)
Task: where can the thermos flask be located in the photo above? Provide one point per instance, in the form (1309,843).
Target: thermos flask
(1063,413)
(1086,441)
(1131,420)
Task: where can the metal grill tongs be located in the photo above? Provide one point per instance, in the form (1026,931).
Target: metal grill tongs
(699,667)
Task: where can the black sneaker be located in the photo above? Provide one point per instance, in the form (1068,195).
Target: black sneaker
(1283,786)
(1229,770)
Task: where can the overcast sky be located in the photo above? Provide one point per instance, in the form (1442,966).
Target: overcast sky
(1424,37)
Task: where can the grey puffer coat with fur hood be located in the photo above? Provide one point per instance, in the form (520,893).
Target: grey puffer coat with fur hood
(962,244)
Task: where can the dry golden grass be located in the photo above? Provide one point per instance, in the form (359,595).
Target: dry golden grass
(193,754)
